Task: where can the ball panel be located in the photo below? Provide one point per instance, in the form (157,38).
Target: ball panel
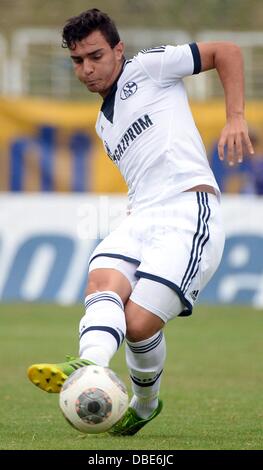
(94,406)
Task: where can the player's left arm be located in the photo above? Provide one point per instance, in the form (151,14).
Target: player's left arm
(226,58)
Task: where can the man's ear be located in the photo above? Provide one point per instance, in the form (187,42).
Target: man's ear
(119,50)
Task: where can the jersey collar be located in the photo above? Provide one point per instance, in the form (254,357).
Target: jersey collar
(107,107)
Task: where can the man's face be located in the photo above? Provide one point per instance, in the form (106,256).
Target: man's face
(96,64)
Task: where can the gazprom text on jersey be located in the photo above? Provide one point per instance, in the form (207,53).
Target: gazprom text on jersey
(135,129)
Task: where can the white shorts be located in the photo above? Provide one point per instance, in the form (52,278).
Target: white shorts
(178,244)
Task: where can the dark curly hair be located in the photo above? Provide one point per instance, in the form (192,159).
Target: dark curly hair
(79,27)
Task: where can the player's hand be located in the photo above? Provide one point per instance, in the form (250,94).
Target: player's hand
(234,141)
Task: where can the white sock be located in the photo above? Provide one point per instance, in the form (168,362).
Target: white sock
(145,360)
(143,407)
(103,327)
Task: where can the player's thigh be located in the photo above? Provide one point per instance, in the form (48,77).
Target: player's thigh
(150,306)
(111,274)
(101,280)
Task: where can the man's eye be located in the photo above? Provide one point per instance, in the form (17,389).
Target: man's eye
(77,61)
(97,57)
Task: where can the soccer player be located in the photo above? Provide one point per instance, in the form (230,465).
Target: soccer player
(152,268)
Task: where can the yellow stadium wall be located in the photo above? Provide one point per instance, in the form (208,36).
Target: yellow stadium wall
(22,118)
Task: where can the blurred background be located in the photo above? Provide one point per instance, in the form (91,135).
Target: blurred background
(56,184)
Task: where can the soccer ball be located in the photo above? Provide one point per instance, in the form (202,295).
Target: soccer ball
(93,399)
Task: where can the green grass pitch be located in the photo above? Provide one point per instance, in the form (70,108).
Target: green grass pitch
(212,383)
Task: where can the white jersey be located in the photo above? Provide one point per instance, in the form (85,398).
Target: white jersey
(147,126)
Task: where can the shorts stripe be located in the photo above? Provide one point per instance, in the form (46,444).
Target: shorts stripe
(118,256)
(172,286)
(202,247)
(199,241)
(195,240)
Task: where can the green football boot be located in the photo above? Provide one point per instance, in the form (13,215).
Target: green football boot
(131,423)
(50,377)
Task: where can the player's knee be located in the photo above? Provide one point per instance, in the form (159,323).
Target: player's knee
(96,283)
(132,331)
(141,327)
(136,333)
(101,280)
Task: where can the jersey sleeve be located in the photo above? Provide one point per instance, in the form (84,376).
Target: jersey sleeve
(167,64)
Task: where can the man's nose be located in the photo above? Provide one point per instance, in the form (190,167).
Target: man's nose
(88,67)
